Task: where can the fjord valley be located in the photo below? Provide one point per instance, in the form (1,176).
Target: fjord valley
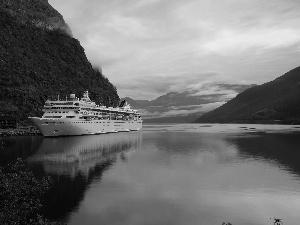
(39,60)
(277,101)
(182,107)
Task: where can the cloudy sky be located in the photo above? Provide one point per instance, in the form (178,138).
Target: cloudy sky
(148,48)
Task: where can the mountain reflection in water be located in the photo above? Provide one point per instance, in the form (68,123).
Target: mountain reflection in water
(280,149)
(179,174)
(74,163)
(12,148)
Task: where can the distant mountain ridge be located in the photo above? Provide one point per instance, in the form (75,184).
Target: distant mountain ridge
(39,59)
(169,99)
(183,107)
(277,101)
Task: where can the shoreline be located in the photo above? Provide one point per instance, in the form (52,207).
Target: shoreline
(21,131)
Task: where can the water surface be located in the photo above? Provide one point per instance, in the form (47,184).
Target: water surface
(169,174)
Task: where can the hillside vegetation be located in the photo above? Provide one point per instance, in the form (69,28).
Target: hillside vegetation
(39,59)
(277,101)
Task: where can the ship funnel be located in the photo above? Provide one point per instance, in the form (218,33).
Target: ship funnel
(72,96)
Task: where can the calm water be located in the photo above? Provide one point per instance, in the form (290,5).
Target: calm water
(169,174)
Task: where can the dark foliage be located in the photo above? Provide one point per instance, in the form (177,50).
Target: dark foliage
(38,62)
(277,101)
(20,194)
(278,221)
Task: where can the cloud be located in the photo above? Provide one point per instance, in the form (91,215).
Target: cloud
(215,91)
(233,42)
(150,48)
(182,110)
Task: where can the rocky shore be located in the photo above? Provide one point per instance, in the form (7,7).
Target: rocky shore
(24,131)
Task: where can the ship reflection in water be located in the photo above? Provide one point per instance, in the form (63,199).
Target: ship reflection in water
(168,174)
(74,163)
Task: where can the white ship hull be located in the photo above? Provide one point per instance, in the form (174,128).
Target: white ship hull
(51,127)
(76,116)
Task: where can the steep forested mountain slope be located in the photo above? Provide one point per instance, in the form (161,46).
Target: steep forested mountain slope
(275,101)
(40,59)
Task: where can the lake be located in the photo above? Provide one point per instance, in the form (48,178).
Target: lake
(169,174)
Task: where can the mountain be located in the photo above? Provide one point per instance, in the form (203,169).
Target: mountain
(39,59)
(184,107)
(277,101)
(130,101)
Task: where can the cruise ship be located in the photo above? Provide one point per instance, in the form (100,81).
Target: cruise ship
(81,116)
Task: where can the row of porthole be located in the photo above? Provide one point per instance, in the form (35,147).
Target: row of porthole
(54,122)
(78,122)
(59,112)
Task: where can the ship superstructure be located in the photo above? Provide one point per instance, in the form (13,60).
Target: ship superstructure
(74,116)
